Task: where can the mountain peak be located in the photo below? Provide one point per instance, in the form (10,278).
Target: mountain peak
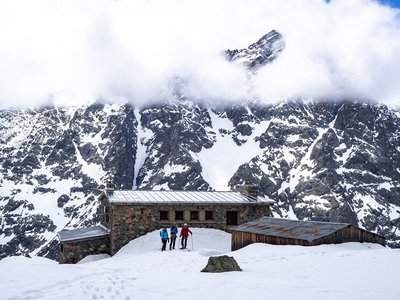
(258,54)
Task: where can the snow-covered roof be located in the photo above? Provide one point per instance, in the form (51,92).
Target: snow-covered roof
(139,196)
(81,234)
(295,229)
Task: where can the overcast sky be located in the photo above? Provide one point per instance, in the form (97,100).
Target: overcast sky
(133,50)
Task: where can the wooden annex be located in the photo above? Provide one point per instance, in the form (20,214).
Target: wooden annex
(277,231)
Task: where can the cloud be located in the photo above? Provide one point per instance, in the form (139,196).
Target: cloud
(76,51)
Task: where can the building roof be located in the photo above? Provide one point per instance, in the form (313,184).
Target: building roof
(181,197)
(294,229)
(81,234)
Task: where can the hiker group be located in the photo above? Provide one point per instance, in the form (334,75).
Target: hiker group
(173,234)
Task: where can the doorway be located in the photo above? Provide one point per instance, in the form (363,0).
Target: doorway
(231,218)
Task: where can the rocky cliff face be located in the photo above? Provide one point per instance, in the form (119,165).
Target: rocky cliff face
(53,163)
(318,160)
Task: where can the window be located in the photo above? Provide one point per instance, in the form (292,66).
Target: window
(106,214)
(209,215)
(194,215)
(163,215)
(231,218)
(179,215)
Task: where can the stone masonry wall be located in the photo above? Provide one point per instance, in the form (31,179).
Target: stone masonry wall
(72,252)
(129,221)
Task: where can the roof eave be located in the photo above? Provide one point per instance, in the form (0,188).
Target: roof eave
(83,239)
(189,203)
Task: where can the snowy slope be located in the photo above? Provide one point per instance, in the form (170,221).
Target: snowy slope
(141,271)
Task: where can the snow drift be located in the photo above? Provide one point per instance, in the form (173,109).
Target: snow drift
(141,271)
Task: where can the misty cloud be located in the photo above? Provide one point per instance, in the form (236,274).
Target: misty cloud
(77,51)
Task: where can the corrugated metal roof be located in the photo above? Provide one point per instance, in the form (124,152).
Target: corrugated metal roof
(139,196)
(82,233)
(302,230)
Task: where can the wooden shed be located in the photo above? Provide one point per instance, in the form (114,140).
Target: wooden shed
(278,231)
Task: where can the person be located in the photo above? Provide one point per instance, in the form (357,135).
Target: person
(184,235)
(173,233)
(164,238)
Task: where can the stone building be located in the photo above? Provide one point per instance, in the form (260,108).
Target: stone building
(78,243)
(126,215)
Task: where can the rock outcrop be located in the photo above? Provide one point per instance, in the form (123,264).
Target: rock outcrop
(218,264)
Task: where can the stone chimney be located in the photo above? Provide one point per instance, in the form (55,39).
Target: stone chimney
(110,188)
(248,189)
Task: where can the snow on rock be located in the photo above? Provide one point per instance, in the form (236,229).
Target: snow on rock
(218,169)
(53,162)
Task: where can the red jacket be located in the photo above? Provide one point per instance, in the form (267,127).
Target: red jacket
(185,231)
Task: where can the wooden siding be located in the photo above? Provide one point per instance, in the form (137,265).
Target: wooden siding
(242,239)
(349,234)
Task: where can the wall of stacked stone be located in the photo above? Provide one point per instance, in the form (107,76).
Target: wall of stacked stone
(72,252)
(129,221)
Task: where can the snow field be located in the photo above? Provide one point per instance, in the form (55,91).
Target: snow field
(141,271)
(218,169)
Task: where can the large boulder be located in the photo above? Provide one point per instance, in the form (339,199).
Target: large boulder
(223,263)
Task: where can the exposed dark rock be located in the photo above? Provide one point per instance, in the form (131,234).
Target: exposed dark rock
(62,200)
(244,129)
(120,153)
(218,264)
(89,153)
(41,179)
(63,150)
(43,190)
(12,205)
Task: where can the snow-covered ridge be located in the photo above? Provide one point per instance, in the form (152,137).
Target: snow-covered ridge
(264,51)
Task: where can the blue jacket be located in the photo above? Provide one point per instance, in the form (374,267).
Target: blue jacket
(164,234)
(173,231)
